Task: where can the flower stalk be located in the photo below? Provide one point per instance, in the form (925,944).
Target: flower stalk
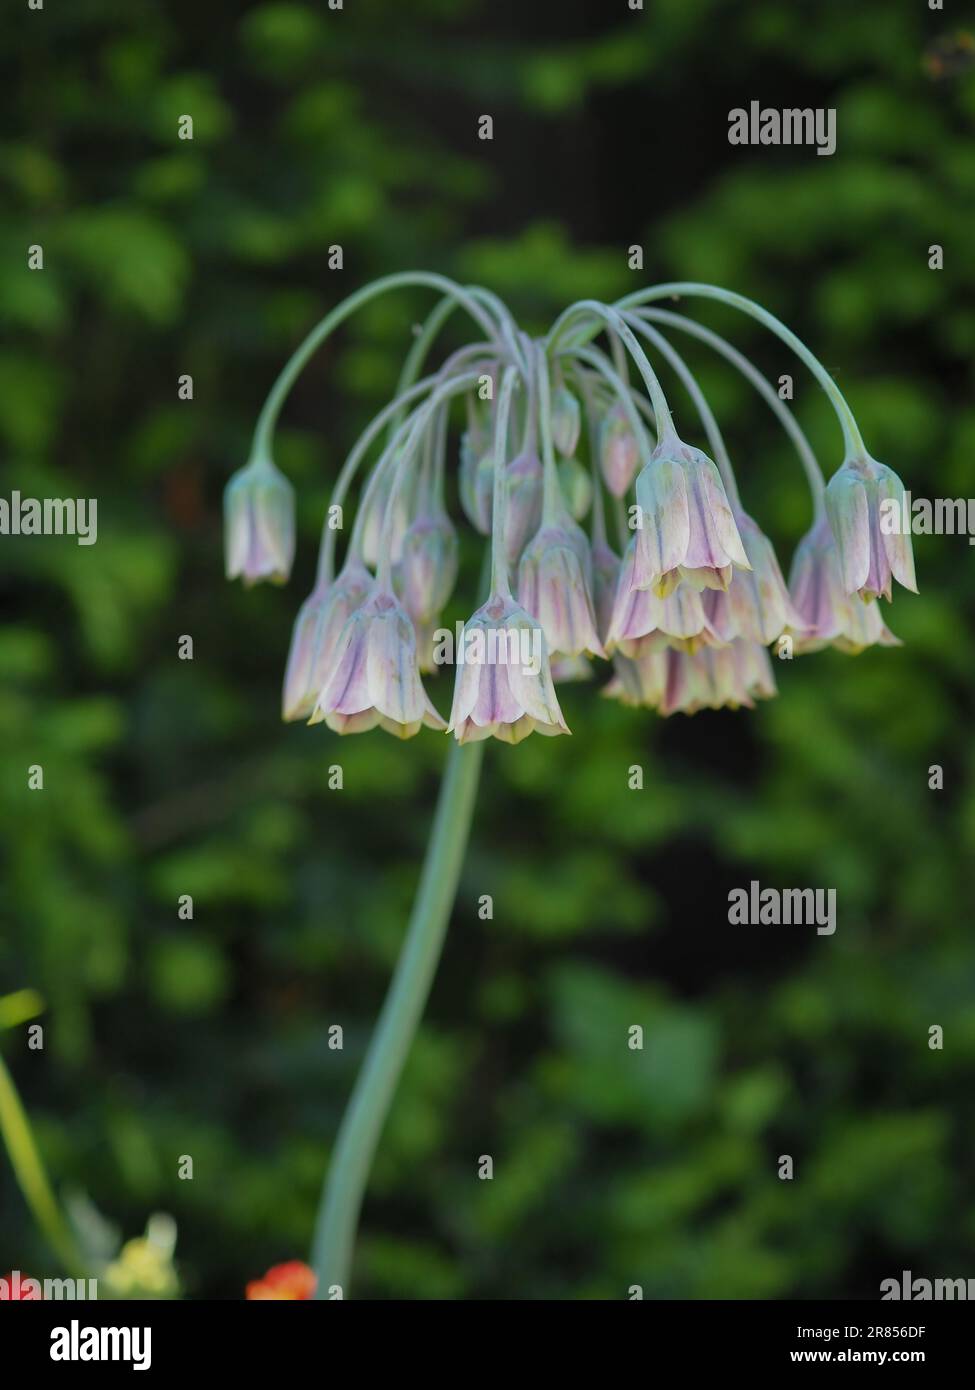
(351,1160)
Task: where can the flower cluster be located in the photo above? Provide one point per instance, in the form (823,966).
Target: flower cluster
(556,437)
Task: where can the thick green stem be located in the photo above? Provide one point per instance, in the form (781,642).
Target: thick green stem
(338,1212)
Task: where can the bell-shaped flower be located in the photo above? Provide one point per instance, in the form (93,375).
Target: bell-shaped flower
(555,586)
(524,510)
(832,617)
(317,629)
(503,686)
(619,450)
(642,621)
(717,678)
(566,421)
(259,523)
(756,605)
(867,510)
(686,526)
(374,677)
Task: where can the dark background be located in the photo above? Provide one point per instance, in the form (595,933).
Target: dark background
(165,777)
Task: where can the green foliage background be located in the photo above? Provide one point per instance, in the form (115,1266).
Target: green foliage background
(164,777)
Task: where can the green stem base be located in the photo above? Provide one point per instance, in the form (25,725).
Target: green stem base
(355,1146)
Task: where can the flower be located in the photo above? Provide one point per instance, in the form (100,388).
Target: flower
(143,1268)
(619,450)
(566,421)
(376,537)
(860,497)
(555,586)
(718,677)
(606,574)
(428,566)
(317,628)
(756,604)
(425,577)
(575,486)
(374,676)
(524,511)
(641,620)
(476,485)
(832,616)
(259,523)
(640,680)
(503,687)
(687,528)
(292,1281)
(571,668)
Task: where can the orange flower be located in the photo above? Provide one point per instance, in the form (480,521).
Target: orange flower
(291,1280)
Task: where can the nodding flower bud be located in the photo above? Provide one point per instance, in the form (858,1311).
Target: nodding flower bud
(555,586)
(605,576)
(566,421)
(756,605)
(259,523)
(865,502)
(619,450)
(317,628)
(476,487)
(374,677)
(575,485)
(375,539)
(524,511)
(832,617)
(428,566)
(686,526)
